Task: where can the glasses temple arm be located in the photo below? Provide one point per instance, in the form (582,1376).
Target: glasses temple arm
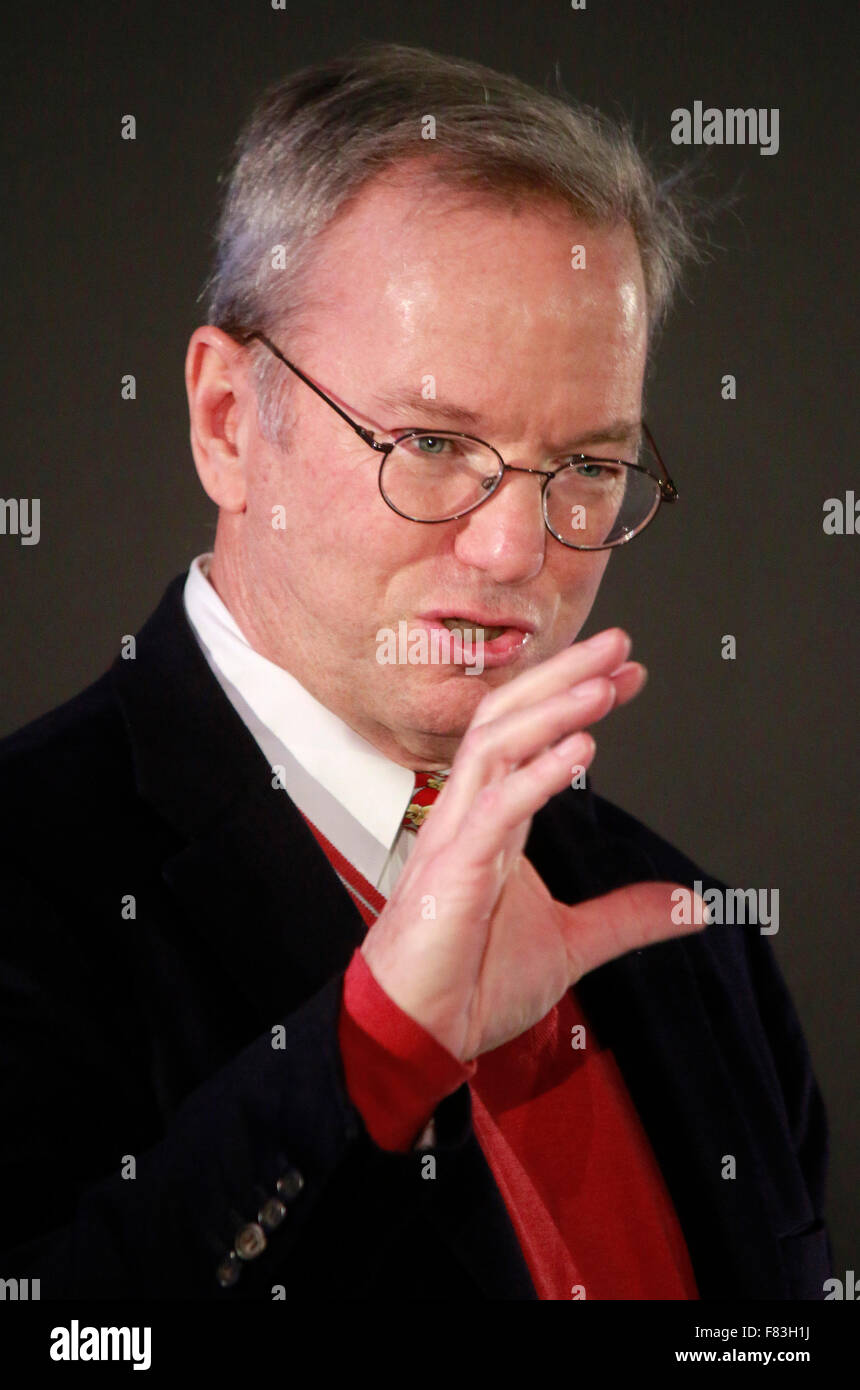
(667,487)
(366,435)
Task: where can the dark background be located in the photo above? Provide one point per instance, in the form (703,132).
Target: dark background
(747,765)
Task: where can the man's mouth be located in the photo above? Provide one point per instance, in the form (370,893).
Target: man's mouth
(480,631)
(499,643)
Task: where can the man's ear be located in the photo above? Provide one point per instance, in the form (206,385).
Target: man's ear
(218,394)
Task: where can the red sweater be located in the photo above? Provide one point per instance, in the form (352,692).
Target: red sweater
(555,1122)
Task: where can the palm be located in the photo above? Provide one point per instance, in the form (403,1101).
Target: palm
(536,948)
(525,967)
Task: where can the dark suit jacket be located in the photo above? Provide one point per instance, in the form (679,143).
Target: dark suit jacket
(152,1036)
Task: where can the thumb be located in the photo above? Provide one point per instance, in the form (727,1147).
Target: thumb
(626,920)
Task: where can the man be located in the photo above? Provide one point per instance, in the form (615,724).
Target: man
(326,974)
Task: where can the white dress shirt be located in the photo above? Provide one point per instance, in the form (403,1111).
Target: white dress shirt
(354,794)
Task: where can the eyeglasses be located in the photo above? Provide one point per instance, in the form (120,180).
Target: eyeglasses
(434,476)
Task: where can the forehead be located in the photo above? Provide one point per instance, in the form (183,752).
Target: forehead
(449,281)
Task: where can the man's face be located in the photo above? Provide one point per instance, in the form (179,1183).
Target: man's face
(418,282)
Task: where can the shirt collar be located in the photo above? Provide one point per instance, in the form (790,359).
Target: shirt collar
(354,794)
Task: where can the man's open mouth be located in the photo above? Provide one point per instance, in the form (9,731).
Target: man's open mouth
(480,632)
(498,643)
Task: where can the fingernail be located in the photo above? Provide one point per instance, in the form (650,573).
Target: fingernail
(628,666)
(581,742)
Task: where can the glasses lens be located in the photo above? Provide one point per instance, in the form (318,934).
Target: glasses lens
(435,477)
(592,505)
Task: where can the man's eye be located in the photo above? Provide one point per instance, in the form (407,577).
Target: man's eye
(601,471)
(430,444)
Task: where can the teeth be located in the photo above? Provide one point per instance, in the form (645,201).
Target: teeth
(484,634)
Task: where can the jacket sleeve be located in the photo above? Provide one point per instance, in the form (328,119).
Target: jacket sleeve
(264,1176)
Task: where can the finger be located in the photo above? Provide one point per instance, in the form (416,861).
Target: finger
(529,788)
(487,754)
(599,656)
(629,680)
(523,729)
(624,920)
(500,808)
(523,735)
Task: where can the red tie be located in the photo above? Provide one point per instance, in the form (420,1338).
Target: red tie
(427,787)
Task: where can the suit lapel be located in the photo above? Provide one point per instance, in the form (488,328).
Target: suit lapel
(253,883)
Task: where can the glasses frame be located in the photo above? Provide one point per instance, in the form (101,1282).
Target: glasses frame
(667,491)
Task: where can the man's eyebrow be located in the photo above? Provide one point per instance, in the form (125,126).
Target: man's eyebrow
(443,410)
(615,432)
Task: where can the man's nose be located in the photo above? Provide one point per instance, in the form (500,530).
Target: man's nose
(507,536)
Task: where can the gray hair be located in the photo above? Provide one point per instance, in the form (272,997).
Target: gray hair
(319,135)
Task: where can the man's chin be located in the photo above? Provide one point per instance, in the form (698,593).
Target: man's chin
(445,708)
(427,713)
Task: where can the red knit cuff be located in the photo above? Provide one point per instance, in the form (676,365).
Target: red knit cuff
(396,1072)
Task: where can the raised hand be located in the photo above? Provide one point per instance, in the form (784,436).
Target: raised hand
(500,951)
